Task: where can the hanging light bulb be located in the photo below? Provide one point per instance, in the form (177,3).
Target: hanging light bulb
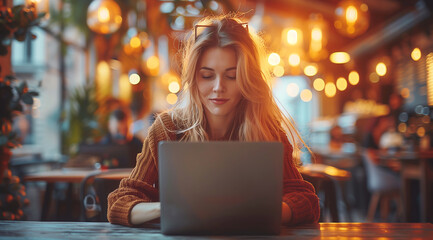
(318,38)
(352,18)
(104,16)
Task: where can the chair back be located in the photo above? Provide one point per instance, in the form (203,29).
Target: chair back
(93,196)
(380,178)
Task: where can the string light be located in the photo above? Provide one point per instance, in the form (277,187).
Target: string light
(294,60)
(278,71)
(353,77)
(310,70)
(416,54)
(339,57)
(330,89)
(104,16)
(319,84)
(341,83)
(306,95)
(381,69)
(274,59)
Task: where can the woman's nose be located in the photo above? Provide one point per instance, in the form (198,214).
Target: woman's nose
(218,84)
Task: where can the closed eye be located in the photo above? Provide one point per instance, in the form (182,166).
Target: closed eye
(231,77)
(207,76)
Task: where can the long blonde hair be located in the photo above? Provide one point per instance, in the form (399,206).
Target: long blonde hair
(258,117)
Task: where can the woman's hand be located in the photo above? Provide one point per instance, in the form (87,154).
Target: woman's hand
(286,213)
(144,212)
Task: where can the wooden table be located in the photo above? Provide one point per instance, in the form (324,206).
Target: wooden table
(324,178)
(70,176)
(93,230)
(414,165)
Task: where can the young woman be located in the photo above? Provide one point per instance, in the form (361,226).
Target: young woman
(226,97)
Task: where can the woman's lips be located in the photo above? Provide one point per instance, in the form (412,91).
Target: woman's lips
(219,101)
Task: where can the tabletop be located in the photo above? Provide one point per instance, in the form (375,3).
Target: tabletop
(104,230)
(77,175)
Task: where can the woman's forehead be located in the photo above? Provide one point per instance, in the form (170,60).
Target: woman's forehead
(222,57)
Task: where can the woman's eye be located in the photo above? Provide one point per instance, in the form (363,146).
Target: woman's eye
(206,76)
(232,77)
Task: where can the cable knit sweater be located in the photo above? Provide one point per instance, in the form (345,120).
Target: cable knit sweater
(140,186)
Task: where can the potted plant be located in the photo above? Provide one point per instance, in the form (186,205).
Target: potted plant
(12,192)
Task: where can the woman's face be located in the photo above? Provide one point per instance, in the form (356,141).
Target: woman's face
(216,81)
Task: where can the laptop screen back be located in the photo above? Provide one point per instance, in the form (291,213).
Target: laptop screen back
(220,187)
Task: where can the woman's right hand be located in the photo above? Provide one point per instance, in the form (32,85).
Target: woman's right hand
(144,212)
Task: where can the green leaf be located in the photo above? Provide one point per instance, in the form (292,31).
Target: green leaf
(34,94)
(27,98)
(3,140)
(21,87)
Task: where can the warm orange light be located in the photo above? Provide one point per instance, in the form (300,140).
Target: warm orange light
(341,83)
(405,92)
(339,57)
(316,34)
(310,70)
(104,16)
(134,78)
(292,37)
(330,89)
(319,84)
(351,15)
(171,98)
(294,60)
(306,95)
(420,132)
(274,59)
(374,78)
(152,62)
(135,42)
(125,88)
(402,127)
(381,69)
(103,79)
(416,54)
(278,71)
(353,77)
(174,87)
(429,66)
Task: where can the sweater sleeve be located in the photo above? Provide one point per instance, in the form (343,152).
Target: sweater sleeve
(299,194)
(139,186)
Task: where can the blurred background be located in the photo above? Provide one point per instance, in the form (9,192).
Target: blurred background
(338,65)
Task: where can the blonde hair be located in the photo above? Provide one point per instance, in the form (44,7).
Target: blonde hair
(258,117)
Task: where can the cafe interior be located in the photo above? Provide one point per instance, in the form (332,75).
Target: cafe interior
(82,81)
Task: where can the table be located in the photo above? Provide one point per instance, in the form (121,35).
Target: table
(100,230)
(71,175)
(414,165)
(324,177)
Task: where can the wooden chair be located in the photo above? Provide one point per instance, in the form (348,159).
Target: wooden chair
(94,190)
(384,187)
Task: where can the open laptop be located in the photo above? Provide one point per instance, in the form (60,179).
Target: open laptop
(220,188)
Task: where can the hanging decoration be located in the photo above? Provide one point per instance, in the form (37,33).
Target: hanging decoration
(318,37)
(104,16)
(352,18)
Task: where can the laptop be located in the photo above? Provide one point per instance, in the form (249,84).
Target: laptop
(220,188)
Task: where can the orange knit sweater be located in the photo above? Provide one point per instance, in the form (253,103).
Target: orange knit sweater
(140,186)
